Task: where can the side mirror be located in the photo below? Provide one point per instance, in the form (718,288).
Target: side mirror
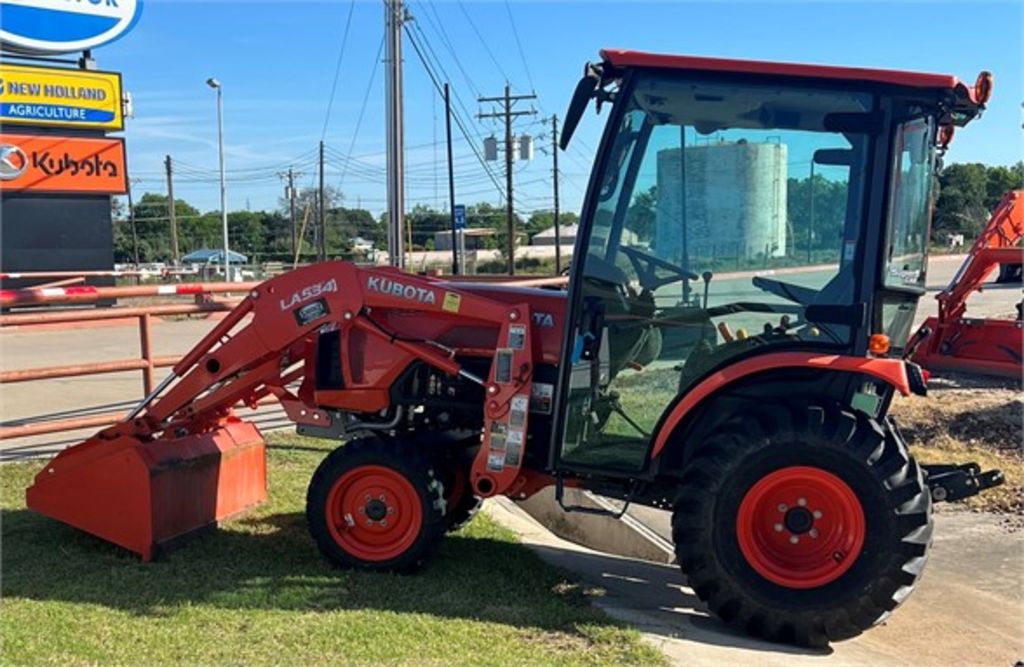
(585,89)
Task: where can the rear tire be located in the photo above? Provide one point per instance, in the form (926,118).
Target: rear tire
(854,513)
(374,504)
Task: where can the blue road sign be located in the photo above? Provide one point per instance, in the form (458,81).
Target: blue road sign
(460,216)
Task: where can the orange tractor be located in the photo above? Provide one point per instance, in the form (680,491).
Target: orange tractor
(752,239)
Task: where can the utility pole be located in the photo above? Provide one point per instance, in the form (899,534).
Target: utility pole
(554,181)
(322,254)
(289,193)
(451,178)
(170,206)
(394,17)
(507,114)
(131,219)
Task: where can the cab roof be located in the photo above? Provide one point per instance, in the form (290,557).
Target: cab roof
(963,102)
(627,58)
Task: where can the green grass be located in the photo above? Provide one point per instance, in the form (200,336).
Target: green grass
(257,592)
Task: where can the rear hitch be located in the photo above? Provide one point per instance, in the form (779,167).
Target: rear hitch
(951,482)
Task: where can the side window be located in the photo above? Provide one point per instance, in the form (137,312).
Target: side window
(910,205)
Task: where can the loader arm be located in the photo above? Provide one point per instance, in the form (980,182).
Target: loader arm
(953,341)
(243,361)
(999,242)
(261,349)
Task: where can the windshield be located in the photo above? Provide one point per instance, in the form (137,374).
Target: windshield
(745,182)
(910,205)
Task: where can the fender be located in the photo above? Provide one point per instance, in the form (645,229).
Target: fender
(893,371)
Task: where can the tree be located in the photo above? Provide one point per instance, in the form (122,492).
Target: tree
(960,208)
(424,222)
(825,231)
(1000,180)
(153,222)
(360,222)
(642,212)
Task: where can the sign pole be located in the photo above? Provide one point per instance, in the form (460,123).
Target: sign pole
(223,183)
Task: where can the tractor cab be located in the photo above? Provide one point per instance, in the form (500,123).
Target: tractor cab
(740,209)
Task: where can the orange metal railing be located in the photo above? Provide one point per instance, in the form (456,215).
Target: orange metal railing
(146,362)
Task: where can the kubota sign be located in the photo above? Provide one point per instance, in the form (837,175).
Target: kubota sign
(44,163)
(63,26)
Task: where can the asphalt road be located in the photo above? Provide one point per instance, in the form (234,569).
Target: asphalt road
(968,609)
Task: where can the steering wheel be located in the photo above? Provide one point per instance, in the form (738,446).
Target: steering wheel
(646,267)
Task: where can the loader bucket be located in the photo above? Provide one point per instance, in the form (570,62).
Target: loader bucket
(141,495)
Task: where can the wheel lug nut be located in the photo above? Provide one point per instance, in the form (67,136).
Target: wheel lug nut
(391,510)
(802,502)
(817,514)
(382,498)
(783,507)
(793,539)
(813,532)
(384,523)
(368,498)
(778,528)
(362,510)
(369,522)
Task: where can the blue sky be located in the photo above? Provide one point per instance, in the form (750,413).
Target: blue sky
(277,60)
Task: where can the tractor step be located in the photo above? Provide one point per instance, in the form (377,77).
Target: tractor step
(145,495)
(951,482)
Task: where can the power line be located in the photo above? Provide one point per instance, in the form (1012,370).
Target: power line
(519,45)
(458,98)
(455,116)
(483,41)
(440,30)
(337,67)
(362,107)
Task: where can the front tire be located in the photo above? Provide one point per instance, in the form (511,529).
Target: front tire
(802,525)
(374,504)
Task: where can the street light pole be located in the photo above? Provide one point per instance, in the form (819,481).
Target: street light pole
(215,84)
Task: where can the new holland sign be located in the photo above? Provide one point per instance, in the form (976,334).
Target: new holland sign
(64,26)
(60,97)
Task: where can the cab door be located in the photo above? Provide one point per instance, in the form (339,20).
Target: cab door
(698,248)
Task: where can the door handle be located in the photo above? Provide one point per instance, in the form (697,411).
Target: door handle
(588,337)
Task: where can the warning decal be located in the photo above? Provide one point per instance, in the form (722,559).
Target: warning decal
(452,302)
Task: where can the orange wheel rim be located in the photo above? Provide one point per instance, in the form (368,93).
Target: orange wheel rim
(800,527)
(374,513)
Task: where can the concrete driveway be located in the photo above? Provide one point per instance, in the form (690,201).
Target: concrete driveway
(967,610)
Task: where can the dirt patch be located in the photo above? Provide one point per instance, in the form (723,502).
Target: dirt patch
(970,418)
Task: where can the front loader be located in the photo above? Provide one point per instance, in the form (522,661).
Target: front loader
(752,247)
